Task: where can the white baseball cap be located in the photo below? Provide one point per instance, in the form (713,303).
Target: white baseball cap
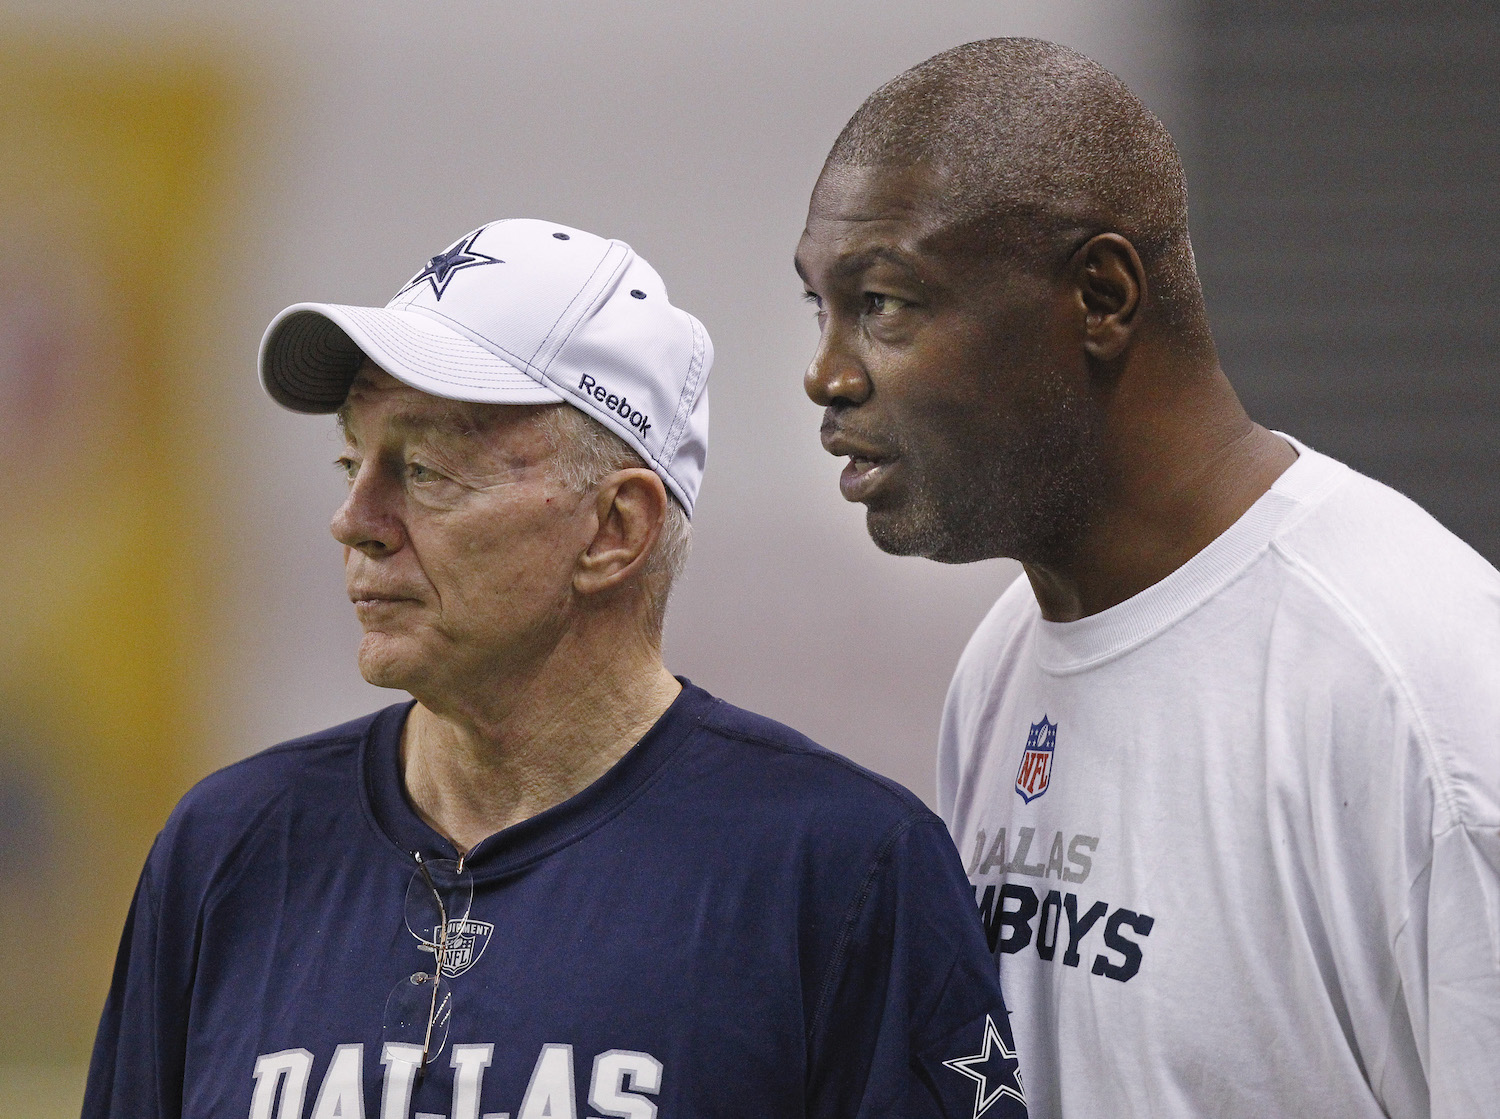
(520,312)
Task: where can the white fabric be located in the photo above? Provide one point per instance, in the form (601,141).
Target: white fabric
(1286,755)
(521,311)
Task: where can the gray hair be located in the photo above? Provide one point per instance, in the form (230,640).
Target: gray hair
(585,452)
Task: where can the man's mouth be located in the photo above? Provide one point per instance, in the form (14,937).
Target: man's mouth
(868,465)
(370,601)
(863,476)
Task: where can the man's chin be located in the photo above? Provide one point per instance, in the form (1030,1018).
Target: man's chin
(907,535)
(898,532)
(383,678)
(891,541)
(386,667)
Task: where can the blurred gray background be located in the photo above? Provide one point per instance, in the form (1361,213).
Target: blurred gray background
(1343,167)
(1345,170)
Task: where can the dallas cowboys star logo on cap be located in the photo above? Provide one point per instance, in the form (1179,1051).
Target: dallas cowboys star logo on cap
(457,256)
(994,1069)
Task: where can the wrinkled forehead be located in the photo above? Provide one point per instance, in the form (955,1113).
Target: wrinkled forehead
(916,195)
(863,210)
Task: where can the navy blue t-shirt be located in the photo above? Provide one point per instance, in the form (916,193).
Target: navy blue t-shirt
(732,921)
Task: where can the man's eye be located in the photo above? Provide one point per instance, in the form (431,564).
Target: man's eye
(878,303)
(419,473)
(347,467)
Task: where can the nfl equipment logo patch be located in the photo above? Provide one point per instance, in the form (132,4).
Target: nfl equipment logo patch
(1036,763)
(467,941)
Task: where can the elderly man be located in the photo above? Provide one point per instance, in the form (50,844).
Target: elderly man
(1224,765)
(561,883)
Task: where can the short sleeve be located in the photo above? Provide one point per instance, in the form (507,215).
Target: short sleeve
(912,1022)
(131,1073)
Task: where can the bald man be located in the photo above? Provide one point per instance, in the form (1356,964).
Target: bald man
(1225,766)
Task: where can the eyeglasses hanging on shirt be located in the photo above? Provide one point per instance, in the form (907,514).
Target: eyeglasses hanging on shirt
(419,1008)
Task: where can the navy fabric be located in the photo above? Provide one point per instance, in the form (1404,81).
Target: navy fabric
(732,921)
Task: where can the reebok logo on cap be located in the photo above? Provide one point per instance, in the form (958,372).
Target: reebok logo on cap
(542,314)
(616,404)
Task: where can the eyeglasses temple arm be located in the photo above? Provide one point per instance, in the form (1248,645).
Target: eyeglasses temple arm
(440,951)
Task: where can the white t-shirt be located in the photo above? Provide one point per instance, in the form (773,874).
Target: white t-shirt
(1237,839)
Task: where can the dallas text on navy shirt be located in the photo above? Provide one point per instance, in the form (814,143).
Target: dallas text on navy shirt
(731,921)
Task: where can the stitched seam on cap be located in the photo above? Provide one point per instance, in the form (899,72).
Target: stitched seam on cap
(305,365)
(688,397)
(578,319)
(523,381)
(447,353)
(479,340)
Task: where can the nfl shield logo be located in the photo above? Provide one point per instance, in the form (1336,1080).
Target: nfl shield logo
(467,941)
(1036,762)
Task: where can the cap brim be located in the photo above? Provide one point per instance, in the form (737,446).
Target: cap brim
(311,352)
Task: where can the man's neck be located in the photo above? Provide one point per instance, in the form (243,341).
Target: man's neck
(491,760)
(1178,478)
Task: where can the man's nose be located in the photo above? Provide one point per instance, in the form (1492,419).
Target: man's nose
(367,519)
(836,372)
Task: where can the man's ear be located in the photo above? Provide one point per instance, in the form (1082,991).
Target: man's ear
(630,509)
(1112,289)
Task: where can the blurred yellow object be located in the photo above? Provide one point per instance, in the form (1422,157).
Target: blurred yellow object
(41,1091)
(108,201)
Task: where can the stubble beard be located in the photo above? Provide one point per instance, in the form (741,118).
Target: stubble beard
(1029,495)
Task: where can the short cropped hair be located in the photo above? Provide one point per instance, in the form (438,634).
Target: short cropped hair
(1042,145)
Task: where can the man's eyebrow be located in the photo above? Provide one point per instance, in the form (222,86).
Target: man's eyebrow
(455,422)
(857,262)
(447,422)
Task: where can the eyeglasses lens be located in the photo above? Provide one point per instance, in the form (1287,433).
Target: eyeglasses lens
(444,892)
(415,1001)
(418,1009)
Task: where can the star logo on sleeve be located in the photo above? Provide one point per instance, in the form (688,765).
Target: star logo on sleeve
(459,255)
(994,1069)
